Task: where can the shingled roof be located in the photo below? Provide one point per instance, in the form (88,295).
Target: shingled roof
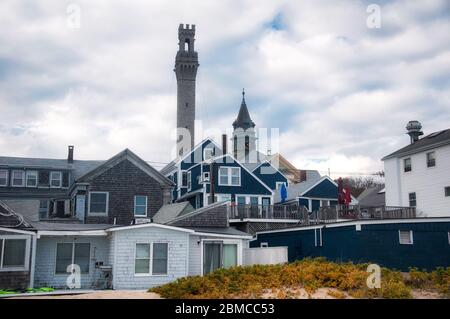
(428,142)
(243,119)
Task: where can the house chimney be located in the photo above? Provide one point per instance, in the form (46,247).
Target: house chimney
(414,129)
(70,154)
(224,143)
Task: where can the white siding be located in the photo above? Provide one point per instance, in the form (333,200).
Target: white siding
(427,182)
(46,262)
(124,245)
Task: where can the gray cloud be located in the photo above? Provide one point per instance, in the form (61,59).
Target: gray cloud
(340,93)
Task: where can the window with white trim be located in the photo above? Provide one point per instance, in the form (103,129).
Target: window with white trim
(412,199)
(447,191)
(407,165)
(98,203)
(32,178)
(18,178)
(140,206)
(142,259)
(431,159)
(72,253)
(208,153)
(264,245)
(14,254)
(405,237)
(229,176)
(160,258)
(184,179)
(3,177)
(279,184)
(189,180)
(55,179)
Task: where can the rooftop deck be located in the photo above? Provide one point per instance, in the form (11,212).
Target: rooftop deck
(329,214)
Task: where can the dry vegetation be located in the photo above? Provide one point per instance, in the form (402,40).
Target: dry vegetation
(310,278)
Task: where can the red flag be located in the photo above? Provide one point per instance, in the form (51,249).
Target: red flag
(348,195)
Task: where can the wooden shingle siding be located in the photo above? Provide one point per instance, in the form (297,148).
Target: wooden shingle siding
(124,254)
(214,217)
(46,262)
(123,182)
(14,280)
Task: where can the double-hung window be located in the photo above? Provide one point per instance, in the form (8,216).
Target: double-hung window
(3,177)
(431,159)
(140,206)
(14,253)
(184,179)
(18,178)
(72,254)
(151,259)
(412,200)
(32,178)
(98,203)
(407,165)
(55,179)
(229,176)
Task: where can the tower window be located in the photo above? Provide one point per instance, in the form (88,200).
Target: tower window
(187,104)
(186,45)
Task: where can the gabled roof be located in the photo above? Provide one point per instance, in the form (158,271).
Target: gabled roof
(426,143)
(275,170)
(245,168)
(169,167)
(243,119)
(295,190)
(133,158)
(372,197)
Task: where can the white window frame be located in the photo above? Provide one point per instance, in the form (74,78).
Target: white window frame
(167,261)
(73,243)
(107,205)
(27,174)
(278,185)
(51,179)
(210,150)
(189,180)
(434,157)
(6,177)
(181,179)
(150,268)
(146,205)
(23,178)
(229,176)
(404,165)
(27,239)
(411,237)
(205,178)
(264,245)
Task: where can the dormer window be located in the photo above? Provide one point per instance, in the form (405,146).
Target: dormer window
(55,179)
(18,178)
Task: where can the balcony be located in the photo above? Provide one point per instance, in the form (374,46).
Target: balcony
(324,215)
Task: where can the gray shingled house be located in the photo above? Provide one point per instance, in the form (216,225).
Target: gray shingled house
(109,218)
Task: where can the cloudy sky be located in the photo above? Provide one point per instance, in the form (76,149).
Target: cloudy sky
(340,92)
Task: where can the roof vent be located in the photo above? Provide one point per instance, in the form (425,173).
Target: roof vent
(414,129)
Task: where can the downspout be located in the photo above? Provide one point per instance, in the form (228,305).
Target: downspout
(33,259)
(211,183)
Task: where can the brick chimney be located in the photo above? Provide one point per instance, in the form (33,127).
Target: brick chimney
(224,143)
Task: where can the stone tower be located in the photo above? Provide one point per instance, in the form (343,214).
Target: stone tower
(186,65)
(244,135)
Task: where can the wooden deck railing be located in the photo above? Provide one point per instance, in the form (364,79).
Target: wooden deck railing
(327,214)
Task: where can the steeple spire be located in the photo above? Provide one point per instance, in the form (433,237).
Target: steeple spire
(243,119)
